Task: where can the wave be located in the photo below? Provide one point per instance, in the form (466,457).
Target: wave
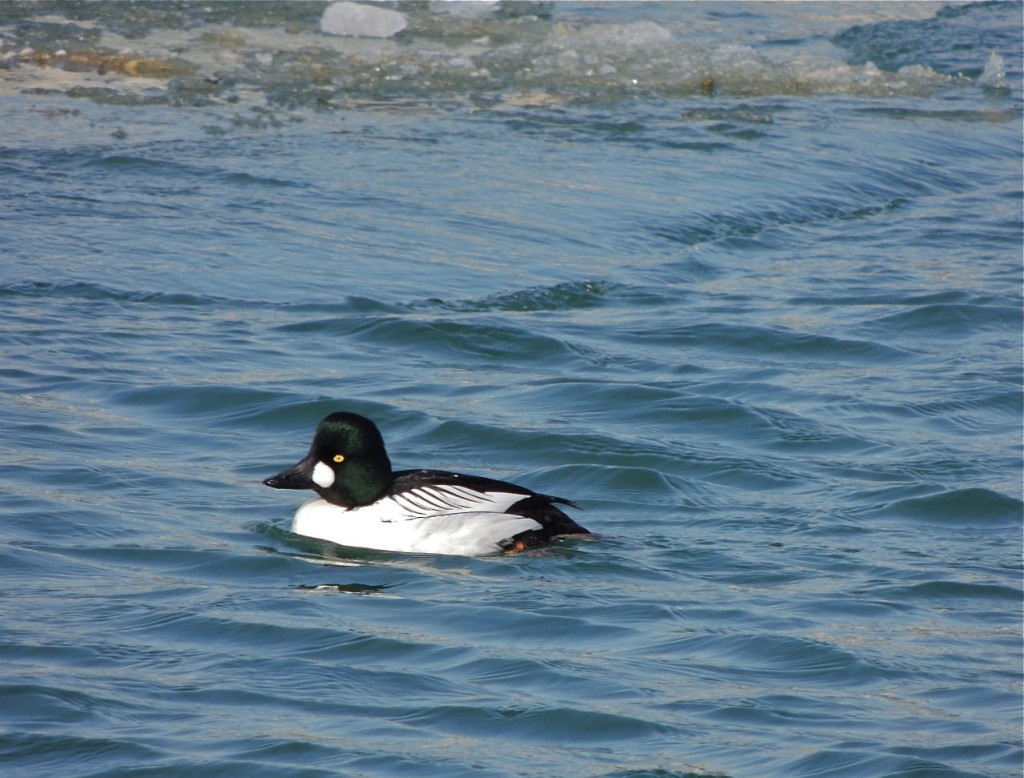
(968,507)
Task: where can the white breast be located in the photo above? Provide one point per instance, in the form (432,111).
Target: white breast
(444,519)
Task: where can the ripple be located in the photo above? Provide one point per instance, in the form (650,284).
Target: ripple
(97,292)
(773,342)
(203,400)
(551,725)
(969,507)
(569,296)
(778,657)
(952,591)
(729,225)
(956,321)
(41,752)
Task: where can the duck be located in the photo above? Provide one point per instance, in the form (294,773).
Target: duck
(363,503)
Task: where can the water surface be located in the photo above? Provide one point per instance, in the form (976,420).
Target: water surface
(744,280)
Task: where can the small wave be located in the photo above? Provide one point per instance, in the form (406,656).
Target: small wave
(956,321)
(777,656)
(211,401)
(969,507)
(948,591)
(457,341)
(716,226)
(773,342)
(989,115)
(547,725)
(90,291)
(40,753)
(567,296)
(848,760)
(973,414)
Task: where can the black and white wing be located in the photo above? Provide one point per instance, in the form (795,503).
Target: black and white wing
(419,493)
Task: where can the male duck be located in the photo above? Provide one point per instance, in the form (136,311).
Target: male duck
(364,504)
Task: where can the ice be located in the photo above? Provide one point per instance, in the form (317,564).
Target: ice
(466,9)
(361,21)
(994,75)
(626,36)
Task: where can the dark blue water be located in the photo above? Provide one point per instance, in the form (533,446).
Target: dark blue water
(742,280)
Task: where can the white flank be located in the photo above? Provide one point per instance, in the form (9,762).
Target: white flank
(386,527)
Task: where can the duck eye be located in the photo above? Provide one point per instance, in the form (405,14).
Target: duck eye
(339,458)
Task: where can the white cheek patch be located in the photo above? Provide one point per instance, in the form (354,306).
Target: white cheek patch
(323,475)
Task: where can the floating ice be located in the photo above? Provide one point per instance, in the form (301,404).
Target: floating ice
(467,9)
(361,21)
(521,53)
(626,36)
(994,75)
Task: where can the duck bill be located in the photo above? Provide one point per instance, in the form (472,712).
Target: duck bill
(298,476)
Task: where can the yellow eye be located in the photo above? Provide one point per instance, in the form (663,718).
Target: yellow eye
(339,458)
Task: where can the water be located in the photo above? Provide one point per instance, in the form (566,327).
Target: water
(742,280)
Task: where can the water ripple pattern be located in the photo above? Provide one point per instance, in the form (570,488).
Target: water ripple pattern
(743,280)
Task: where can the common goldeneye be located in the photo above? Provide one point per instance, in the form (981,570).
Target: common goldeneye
(363,503)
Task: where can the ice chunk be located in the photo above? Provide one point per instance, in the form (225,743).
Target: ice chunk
(361,21)
(994,75)
(626,36)
(466,9)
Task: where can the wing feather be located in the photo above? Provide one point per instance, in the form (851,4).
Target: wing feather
(432,492)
